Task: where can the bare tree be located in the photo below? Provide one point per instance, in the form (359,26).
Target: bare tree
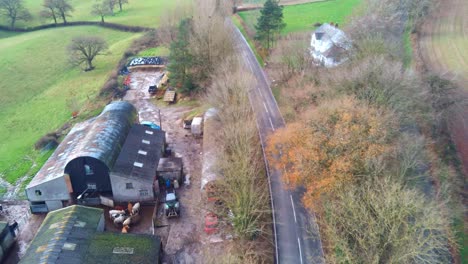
(210,42)
(63,8)
(84,49)
(111,4)
(170,20)
(14,10)
(102,10)
(382,221)
(121,2)
(57,8)
(49,10)
(240,161)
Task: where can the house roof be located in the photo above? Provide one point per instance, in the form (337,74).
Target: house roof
(101,137)
(331,43)
(334,35)
(141,153)
(71,236)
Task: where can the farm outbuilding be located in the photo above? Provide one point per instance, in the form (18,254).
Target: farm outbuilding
(83,160)
(75,235)
(133,177)
(170,169)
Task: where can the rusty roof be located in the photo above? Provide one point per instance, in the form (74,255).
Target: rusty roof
(101,138)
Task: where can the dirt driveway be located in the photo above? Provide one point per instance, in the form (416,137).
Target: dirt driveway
(180,236)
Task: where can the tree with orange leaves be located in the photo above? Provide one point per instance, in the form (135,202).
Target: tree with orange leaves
(332,146)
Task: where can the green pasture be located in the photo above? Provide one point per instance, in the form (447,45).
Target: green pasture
(36,83)
(136,13)
(302,17)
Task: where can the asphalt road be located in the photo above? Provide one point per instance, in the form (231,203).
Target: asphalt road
(297,239)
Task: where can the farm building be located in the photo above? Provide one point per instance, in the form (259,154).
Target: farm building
(75,235)
(81,165)
(329,45)
(170,169)
(7,238)
(133,177)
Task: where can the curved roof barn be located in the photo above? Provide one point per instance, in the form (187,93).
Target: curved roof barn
(100,138)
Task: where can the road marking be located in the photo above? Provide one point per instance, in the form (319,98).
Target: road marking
(294,209)
(266,109)
(271,123)
(300,250)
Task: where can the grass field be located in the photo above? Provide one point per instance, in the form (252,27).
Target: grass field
(136,13)
(304,16)
(36,81)
(157,51)
(444,42)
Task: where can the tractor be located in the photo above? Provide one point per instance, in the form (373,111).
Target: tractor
(171,205)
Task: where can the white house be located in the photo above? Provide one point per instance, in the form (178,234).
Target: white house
(328,45)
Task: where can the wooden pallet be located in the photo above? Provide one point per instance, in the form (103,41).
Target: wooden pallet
(169,96)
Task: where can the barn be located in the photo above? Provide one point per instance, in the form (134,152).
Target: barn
(83,161)
(133,176)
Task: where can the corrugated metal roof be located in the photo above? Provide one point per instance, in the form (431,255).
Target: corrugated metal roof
(141,153)
(101,137)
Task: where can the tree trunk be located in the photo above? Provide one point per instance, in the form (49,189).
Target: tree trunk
(12,24)
(64,18)
(102,19)
(90,65)
(120,5)
(55,18)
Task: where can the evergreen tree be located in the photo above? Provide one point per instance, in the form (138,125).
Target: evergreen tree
(180,60)
(270,23)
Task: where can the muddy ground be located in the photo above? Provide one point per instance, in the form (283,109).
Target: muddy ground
(180,236)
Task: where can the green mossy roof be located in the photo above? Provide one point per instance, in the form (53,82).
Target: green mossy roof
(77,225)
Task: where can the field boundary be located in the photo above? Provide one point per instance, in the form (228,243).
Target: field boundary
(116,26)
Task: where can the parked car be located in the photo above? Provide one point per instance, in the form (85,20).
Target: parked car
(152,89)
(150,125)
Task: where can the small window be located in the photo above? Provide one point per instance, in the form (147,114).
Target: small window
(88,170)
(143,192)
(142,152)
(138,164)
(129,185)
(38,193)
(92,186)
(147,142)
